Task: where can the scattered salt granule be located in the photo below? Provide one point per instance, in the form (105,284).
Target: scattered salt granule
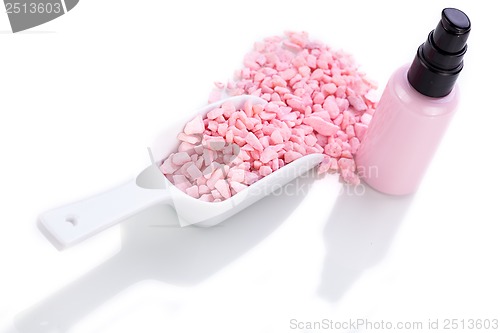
(318,102)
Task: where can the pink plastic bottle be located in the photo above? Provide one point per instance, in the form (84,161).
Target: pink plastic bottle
(415,110)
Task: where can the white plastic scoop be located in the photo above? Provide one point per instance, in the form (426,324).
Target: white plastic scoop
(70,224)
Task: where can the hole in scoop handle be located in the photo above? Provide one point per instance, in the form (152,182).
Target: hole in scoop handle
(72,223)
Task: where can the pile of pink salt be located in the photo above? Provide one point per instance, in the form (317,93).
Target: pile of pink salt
(318,102)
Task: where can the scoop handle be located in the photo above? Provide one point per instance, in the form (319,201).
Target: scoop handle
(75,222)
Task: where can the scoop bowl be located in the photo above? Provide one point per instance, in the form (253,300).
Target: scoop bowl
(70,224)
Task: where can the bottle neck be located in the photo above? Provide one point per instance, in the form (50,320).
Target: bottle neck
(430,80)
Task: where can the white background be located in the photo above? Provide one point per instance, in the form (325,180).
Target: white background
(82,96)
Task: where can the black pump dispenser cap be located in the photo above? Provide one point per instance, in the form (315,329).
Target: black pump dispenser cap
(440,59)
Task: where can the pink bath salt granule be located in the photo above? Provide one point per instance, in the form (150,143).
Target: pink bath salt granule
(195,126)
(318,102)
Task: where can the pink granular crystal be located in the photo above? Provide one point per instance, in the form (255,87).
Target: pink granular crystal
(318,102)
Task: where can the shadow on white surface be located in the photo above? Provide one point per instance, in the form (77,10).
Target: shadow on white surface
(154,247)
(357,236)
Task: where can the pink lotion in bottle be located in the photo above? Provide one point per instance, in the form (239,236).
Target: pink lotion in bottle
(414,110)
